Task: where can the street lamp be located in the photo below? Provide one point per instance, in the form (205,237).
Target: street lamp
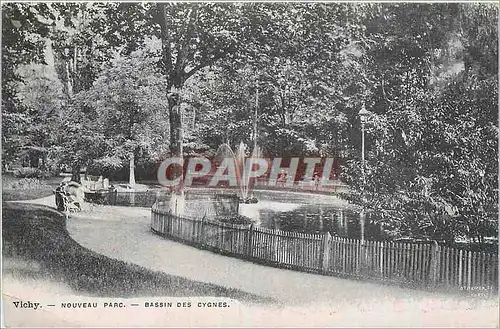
(363,116)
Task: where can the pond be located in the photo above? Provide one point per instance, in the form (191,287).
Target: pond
(324,218)
(285,210)
(311,213)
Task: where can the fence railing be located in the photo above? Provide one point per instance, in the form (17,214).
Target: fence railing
(416,264)
(126,198)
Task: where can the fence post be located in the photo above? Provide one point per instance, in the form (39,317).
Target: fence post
(469,269)
(202,231)
(275,240)
(194,223)
(363,262)
(434,264)
(249,240)
(325,254)
(381,248)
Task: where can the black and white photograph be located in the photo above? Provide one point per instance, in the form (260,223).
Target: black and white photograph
(249,164)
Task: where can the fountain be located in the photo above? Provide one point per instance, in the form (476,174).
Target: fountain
(243,180)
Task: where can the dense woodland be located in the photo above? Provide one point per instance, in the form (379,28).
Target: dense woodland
(103,85)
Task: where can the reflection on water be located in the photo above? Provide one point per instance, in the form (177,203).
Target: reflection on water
(288,211)
(262,212)
(324,218)
(311,214)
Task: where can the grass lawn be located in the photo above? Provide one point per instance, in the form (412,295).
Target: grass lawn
(29,192)
(13,194)
(37,234)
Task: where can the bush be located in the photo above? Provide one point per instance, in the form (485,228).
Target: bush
(26,184)
(110,167)
(235,219)
(147,169)
(25,189)
(53,167)
(117,169)
(28,172)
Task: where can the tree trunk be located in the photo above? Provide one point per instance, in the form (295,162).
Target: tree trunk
(67,82)
(44,162)
(131,179)
(175,120)
(194,118)
(75,173)
(176,129)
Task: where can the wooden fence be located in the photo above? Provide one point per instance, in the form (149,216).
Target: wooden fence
(413,264)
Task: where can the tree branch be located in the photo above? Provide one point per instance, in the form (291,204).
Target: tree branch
(383,92)
(166,38)
(204,63)
(182,47)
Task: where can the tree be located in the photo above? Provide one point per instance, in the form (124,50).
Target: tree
(432,118)
(128,103)
(293,58)
(23,31)
(40,93)
(79,51)
(71,33)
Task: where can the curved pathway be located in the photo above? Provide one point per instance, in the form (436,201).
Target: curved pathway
(124,233)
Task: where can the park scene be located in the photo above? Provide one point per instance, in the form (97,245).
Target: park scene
(333,164)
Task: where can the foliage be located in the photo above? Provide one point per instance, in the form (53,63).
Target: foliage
(28,172)
(40,93)
(193,36)
(235,219)
(81,143)
(432,138)
(15,189)
(106,166)
(128,109)
(296,68)
(26,183)
(78,44)
(146,79)
(23,33)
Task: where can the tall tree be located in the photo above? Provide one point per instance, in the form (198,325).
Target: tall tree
(24,29)
(79,51)
(429,120)
(129,104)
(293,58)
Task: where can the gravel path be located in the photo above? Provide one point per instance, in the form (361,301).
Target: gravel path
(124,233)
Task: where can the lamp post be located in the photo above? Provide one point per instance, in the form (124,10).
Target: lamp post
(255,119)
(363,116)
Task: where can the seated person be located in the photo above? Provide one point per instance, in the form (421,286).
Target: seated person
(71,192)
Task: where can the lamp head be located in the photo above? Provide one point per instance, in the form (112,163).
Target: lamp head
(363,114)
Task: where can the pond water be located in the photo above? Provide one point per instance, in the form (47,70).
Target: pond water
(284,210)
(311,213)
(276,209)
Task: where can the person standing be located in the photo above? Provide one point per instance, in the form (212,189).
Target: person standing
(316,181)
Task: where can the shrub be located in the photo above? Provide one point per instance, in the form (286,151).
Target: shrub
(28,172)
(146,169)
(110,166)
(53,166)
(117,169)
(235,219)
(26,184)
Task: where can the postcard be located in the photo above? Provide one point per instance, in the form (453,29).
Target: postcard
(249,164)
